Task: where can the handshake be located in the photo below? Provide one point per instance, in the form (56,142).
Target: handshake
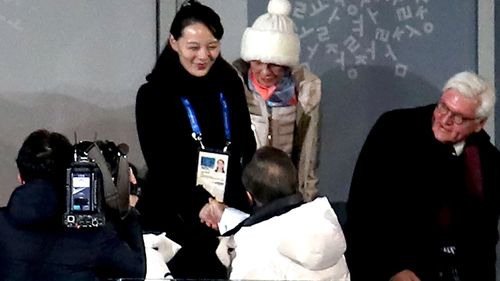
(219,216)
(211,213)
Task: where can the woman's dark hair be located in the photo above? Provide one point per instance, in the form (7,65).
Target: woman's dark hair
(190,12)
(193,11)
(44,155)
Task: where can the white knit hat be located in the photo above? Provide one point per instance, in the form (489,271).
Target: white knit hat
(272,37)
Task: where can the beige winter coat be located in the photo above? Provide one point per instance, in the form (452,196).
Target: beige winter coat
(294,129)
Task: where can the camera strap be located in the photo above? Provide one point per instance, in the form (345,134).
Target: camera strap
(123,186)
(117,197)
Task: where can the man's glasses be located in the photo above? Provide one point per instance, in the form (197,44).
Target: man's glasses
(456,117)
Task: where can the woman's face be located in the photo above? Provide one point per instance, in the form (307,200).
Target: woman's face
(267,74)
(197,49)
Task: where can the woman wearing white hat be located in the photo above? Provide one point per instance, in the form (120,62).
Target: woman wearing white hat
(283,97)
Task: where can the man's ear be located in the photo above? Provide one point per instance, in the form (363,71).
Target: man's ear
(250,198)
(481,124)
(20,179)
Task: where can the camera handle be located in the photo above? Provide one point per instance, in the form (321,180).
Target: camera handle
(117,197)
(123,186)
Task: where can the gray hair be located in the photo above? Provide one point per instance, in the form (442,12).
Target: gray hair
(471,85)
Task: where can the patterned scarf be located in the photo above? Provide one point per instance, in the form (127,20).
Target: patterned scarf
(275,96)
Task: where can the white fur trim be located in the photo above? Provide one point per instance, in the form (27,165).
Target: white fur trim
(270,47)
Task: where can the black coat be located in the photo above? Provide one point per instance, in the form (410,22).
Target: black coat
(35,246)
(171,201)
(402,180)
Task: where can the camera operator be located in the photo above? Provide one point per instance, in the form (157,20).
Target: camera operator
(35,244)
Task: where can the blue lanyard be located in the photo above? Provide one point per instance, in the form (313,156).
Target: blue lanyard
(196,128)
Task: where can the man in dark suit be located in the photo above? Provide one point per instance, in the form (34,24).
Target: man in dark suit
(424,197)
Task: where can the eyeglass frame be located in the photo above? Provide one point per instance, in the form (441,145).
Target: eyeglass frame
(457,118)
(274,68)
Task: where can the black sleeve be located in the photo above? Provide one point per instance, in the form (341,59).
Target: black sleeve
(371,217)
(244,128)
(243,147)
(147,116)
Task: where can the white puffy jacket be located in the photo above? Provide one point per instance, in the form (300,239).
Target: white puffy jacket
(306,243)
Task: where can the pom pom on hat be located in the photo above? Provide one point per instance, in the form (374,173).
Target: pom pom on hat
(272,37)
(279,7)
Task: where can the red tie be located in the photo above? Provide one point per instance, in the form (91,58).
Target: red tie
(473,176)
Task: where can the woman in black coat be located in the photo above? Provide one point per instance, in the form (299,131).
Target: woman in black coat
(191,70)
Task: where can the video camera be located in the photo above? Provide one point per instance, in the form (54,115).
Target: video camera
(97,182)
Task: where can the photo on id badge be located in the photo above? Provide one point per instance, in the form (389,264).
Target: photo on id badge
(211,174)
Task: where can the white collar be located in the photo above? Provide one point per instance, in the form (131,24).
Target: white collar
(459,147)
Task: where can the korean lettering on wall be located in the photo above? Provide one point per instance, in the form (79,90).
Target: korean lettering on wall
(348,34)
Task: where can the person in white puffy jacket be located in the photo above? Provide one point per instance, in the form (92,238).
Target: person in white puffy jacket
(285,238)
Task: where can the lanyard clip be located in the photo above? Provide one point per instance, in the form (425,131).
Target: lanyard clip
(228,143)
(197,137)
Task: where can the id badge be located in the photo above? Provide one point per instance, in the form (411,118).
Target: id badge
(212,172)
